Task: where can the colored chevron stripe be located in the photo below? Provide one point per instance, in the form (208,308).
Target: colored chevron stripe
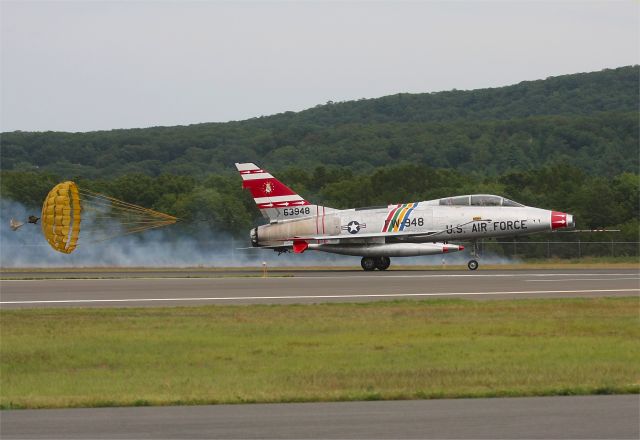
(402,212)
(396,217)
(387,221)
(412,206)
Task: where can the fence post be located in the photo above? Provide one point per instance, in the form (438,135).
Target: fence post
(548,249)
(579,250)
(612,252)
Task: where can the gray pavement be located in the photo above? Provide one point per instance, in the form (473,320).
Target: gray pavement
(278,271)
(573,417)
(315,287)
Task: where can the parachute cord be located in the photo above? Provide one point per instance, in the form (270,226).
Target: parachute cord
(128,205)
(139,222)
(115,207)
(129,233)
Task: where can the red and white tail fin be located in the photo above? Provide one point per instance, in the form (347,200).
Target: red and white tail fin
(275,200)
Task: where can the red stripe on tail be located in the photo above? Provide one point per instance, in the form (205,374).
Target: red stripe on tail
(270,187)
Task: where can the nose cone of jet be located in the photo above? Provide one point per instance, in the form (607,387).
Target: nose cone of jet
(561,220)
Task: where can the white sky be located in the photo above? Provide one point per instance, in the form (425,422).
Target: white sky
(84,65)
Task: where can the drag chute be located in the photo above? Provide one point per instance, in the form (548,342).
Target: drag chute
(67,207)
(15,224)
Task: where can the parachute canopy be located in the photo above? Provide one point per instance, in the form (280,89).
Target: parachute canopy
(67,206)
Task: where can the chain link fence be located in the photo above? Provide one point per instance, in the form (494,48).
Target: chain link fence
(560,249)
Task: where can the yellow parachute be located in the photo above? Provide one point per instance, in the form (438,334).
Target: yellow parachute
(103,217)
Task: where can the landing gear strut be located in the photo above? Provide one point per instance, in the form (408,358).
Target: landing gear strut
(373,263)
(473,263)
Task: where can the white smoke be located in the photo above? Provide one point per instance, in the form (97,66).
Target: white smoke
(168,247)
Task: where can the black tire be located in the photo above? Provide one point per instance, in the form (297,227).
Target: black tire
(472,264)
(383,263)
(368,263)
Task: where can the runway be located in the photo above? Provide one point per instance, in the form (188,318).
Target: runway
(529,417)
(316,287)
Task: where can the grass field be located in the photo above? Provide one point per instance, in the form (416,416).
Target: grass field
(282,353)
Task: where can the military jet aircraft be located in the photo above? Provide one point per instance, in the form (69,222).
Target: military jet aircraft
(380,232)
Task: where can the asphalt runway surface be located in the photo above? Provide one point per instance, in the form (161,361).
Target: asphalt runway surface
(573,417)
(316,287)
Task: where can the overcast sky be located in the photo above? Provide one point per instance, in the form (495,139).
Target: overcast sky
(81,66)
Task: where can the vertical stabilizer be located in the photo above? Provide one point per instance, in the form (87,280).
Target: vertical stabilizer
(276,200)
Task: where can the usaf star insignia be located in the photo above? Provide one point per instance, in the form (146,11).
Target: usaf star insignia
(353,227)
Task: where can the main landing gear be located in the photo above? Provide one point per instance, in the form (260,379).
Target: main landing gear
(473,263)
(373,263)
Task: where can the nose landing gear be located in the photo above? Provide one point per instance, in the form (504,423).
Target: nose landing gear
(373,263)
(473,263)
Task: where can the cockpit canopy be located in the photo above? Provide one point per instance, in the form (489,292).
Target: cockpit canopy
(477,200)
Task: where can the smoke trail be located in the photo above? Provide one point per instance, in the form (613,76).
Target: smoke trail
(169,247)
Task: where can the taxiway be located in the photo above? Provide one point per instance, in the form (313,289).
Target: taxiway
(529,417)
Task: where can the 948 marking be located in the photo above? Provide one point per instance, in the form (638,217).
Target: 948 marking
(417,221)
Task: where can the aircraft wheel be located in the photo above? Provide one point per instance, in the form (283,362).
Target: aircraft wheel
(383,263)
(472,265)
(368,263)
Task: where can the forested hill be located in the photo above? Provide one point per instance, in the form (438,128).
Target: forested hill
(589,120)
(578,94)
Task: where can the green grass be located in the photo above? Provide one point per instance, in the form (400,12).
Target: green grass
(282,353)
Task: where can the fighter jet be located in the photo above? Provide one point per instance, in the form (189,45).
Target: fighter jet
(380,232)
